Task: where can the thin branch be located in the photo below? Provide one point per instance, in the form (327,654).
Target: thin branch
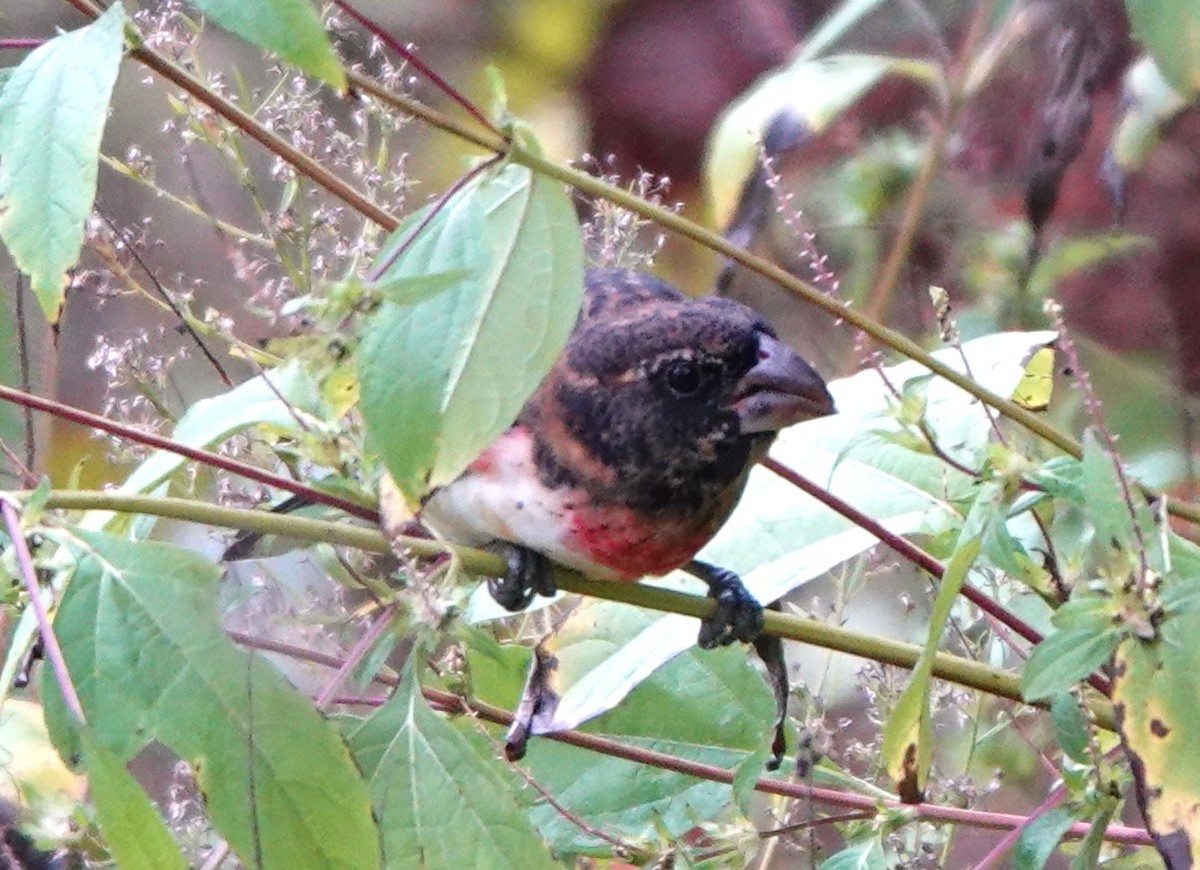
(413,60)
(215,460)
(481,563)
(664,761)
(26,377)
(882,290)
(162,293)
(355,657)
(45,629)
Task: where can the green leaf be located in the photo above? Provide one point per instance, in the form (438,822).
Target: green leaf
(1148,104)
(908,736)
(1158,707)
(442,378)
(1088,856)
(1064,658)
(1071,727)
(133,830)
(1170,31)
(1107,506)
(1040,837)
(439,803)
(290,28)
(147,654)
(721,713)
(867,855)
(1069,256)
(815,91)
(52,114)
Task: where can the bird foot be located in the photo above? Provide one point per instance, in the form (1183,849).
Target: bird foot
(527,573)
(738,616)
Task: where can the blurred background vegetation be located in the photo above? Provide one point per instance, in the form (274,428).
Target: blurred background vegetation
(632,89)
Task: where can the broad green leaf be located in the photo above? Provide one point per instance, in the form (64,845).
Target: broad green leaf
(133,830)
(1040,837)
(1158,707)
(1071,728)
(1170,31)
(146,651)
(52,113)
(443,377)
(815,91)
(721,712)
(867,855)
(1064,658)
(439,804)
(1148,104)
(290,28)
(908,736)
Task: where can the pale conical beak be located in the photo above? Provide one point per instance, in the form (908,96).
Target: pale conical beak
(780,390)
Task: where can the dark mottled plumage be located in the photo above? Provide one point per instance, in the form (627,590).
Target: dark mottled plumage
(634,449)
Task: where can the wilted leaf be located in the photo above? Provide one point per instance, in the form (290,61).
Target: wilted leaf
(439,803)
(52,114)
(289,28)
(148,656)
(443,377)
(1158,710)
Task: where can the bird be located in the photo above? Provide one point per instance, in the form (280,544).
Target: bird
(634,449)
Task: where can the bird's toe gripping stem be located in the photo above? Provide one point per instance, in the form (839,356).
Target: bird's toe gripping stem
(527,573)
(738,615)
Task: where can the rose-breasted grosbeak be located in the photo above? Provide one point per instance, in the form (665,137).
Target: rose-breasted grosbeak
(634,449)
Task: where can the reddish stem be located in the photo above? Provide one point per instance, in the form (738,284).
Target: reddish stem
(918,557)
(58,661)
(215,460)
(411,58)
(606,746)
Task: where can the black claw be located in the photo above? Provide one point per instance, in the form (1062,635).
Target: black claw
(527,573)
(738,615)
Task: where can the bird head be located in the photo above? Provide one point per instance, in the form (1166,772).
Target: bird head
(661,401)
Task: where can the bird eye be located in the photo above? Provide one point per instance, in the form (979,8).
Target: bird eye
(683,377)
